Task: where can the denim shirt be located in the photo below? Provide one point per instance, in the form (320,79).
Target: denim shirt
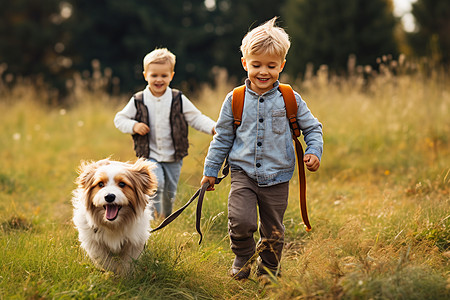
(262,145)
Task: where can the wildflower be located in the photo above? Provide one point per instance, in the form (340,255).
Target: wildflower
(387,172)
(37,210)
(16,136)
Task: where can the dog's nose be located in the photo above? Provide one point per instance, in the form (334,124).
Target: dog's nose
(110,198)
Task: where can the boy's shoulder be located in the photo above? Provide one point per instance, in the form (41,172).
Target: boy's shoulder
(139,96)
(289,94)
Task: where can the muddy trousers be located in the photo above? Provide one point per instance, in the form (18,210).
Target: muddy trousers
(245,200)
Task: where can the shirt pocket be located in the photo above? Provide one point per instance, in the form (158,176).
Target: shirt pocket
(279,121)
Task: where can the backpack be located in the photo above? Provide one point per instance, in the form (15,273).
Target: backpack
(237,106)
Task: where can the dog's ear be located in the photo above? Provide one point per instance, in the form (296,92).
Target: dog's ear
(147,179)
(87,170)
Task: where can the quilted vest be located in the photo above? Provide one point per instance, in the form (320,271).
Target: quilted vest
(178,126)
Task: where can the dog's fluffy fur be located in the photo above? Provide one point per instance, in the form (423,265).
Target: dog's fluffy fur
(112,211)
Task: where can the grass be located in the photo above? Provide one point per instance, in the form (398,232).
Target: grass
(379,205)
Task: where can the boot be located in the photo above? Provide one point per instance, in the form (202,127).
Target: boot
(242,265)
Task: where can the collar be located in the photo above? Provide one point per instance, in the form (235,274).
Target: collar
(268,93)
(148,94)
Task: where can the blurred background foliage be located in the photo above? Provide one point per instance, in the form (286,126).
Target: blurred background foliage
(51,42)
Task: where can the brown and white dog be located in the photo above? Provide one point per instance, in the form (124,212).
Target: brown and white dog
(112,211)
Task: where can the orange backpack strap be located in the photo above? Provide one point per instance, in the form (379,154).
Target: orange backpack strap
(302,183)
(291,112)
(291,107)
(237,105)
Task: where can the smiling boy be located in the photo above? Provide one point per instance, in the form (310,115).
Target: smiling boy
(260,153)
(158,118)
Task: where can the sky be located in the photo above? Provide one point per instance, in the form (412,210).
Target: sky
(402,9)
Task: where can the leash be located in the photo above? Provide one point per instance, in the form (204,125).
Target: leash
(200,193)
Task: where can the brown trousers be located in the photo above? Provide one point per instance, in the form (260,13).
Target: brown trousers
(243,202)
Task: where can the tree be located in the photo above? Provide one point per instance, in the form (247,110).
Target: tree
(53,39)
(328,31)
(432,36)
(120,33)
(31,33)
(201,36)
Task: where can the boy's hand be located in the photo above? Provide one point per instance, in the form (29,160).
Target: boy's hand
(141,128)
(312,162)
(211,181)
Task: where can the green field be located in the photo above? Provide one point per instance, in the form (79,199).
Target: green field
(379,205)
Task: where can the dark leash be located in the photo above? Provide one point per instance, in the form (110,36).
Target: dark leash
(200,193)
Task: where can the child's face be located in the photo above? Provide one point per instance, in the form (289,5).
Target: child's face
(158,77)
(263,71)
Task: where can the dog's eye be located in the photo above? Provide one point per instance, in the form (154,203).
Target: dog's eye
(101,184)
(122,184)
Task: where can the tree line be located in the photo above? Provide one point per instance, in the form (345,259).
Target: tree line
(51,40)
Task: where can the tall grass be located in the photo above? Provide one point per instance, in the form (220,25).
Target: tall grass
(379,204)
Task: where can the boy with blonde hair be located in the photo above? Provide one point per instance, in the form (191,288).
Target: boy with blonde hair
(260,153)
(158,118)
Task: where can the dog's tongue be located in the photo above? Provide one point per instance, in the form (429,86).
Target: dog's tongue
(112,211)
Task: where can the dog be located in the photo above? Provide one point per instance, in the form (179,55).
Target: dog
(112,211)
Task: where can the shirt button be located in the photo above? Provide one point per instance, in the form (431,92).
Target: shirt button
(261,120)
(261,100)
(259,144)
(258,165)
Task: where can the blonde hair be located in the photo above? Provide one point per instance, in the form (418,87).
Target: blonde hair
(159,56)
(266,39)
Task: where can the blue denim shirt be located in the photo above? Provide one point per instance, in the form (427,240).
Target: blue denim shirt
(262,146)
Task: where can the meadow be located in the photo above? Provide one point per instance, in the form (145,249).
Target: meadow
(379,204)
